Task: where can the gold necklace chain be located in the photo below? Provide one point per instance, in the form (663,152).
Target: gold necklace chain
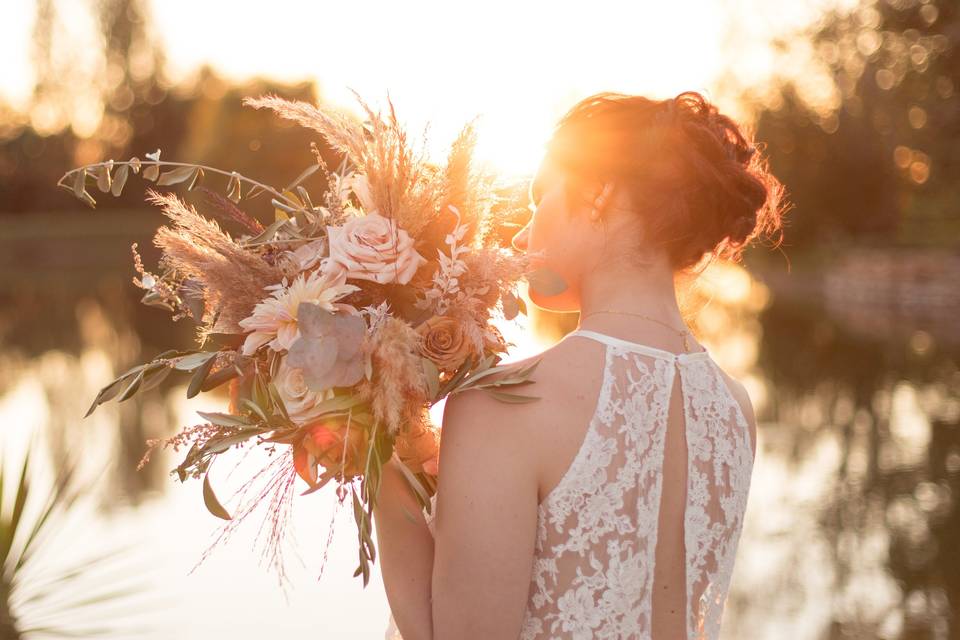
(683,334)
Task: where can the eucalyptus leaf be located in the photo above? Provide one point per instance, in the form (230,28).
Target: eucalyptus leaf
(277,400)
(328,350)
(219,377)
(210,500)
(219,445)
(79,188)
(309,171)
(103,177)
(193,300)
(132,387)
(285,436)
(432,375)
(305,197)
(233,187)
(461,373)
(151,172)
(224,419)
(191,361)
(154,299)
(255,408)
(321,482)
(415,484)
(79,182)
(267,234)
(529,369)
(119,179)
(109,392)
(195,179)
(152,377)
(260,394)
(176,175)
(512,398)
(284,210)
(199,376)
(337,403)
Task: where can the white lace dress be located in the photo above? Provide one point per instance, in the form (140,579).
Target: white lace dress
(593,568)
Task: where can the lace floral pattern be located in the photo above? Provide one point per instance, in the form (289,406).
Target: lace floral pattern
(597,529)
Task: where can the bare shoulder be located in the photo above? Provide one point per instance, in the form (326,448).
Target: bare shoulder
(481,433)
(550,379)
(478,409)
(564,385)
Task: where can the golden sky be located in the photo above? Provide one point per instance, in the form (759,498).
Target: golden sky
(517,64)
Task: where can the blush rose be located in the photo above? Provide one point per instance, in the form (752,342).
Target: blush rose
(372,247)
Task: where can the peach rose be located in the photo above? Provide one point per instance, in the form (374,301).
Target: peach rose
(443,342)
(419,450)
(322,445)
(372,247)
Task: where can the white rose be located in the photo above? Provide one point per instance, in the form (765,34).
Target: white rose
(372,247)
(300,402)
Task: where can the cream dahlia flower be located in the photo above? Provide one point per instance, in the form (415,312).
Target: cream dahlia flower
(274,321)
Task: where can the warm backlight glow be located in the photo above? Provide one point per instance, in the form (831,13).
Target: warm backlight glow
(517,66)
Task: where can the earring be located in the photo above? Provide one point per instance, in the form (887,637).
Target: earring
(597,206)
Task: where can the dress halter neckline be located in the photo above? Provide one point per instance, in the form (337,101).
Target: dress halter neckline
(637,347)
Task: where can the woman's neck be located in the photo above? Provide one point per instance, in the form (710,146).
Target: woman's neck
(628,289)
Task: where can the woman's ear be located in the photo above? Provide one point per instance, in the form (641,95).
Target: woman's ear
(601,200)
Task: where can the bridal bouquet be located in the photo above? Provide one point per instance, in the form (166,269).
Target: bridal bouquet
(337,323)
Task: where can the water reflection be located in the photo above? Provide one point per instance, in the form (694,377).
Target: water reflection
(852,523)
(853,518)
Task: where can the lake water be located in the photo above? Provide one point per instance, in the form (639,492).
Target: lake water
(852,528)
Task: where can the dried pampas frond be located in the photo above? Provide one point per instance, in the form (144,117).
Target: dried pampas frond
(494,267)
(403,184)
(342,132)
(463,186)
(232,278)
(398,389)
(231,211)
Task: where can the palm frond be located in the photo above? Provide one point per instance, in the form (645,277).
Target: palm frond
(38,598)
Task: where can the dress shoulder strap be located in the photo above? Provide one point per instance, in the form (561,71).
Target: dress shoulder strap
(637,347)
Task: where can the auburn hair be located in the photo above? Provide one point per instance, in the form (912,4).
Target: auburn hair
(699,182)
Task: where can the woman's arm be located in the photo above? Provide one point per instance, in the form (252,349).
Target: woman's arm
(472,582)
(405,547)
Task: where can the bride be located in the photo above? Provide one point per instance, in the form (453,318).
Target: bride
(612,507)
